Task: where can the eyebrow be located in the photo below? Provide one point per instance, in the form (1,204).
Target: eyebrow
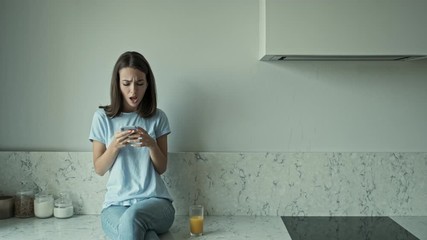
(138,80)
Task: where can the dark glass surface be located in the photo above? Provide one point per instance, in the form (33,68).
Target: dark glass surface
(345,228)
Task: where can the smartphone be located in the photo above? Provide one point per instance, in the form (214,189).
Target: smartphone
(126,128)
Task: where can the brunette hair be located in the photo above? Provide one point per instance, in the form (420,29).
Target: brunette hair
(148,105)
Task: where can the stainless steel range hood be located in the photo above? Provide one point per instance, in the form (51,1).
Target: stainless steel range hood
(340,58)
(337,30)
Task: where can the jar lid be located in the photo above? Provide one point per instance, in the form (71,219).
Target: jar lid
(62,205)
(25,192)
(63,202)
(43,196)
(64,195)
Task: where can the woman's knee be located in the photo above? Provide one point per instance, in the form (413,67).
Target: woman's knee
(110,220)
(152,214)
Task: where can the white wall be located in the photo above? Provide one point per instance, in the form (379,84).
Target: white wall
(57,57)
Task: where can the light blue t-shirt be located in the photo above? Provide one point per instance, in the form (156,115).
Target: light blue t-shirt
(132,177)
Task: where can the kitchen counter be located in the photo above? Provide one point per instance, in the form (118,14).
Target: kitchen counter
(216,227)
(89,227)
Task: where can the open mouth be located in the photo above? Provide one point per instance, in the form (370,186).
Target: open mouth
(133,99)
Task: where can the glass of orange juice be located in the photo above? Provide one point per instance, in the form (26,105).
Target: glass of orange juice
(196,220)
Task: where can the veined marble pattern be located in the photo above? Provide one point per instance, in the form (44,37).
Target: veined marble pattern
(231,227)
(215,227)
(77,227)
(89,227)
(259,184)
(54,172)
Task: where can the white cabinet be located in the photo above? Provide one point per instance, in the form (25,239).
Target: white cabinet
(342,28)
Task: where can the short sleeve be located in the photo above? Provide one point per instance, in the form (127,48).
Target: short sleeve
(97,130)
(162,126)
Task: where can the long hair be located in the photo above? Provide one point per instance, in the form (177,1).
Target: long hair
(148,105)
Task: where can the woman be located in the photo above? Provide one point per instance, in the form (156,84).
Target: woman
(137,204)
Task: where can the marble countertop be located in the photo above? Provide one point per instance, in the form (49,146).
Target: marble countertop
(89,227)
(216,227)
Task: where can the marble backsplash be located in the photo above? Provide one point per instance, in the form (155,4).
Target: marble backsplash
(264,184)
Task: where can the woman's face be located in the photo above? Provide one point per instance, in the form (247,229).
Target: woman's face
(133,85)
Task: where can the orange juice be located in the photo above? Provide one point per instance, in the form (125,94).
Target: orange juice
(196,225)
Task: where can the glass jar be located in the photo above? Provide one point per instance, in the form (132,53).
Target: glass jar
(43,205)
(6,207)
(63,206)
(24,204)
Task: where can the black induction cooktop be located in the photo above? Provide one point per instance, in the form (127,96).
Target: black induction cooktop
(345,228)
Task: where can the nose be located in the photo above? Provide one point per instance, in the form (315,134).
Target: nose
(133,88)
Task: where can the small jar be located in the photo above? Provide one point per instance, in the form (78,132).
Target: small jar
(6,206)
(63,206)
(24,204)
(43,205)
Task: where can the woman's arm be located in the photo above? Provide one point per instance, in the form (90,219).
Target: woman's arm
(159,154)
(104,158)
(158,148)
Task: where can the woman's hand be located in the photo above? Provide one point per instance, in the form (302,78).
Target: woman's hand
(158,148)
(121,139)
(103,157)
(141,138)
